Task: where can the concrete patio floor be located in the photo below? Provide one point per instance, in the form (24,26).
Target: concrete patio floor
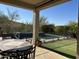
(42,53)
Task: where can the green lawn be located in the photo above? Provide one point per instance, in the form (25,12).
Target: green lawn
(65,46)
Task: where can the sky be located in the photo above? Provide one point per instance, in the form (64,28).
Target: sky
(58,15)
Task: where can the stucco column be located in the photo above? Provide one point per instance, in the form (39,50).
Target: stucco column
(35,28)
(35,25)
(78,40)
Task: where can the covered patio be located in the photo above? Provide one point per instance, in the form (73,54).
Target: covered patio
(36,6)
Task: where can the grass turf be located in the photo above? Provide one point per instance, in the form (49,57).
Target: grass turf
(65,46)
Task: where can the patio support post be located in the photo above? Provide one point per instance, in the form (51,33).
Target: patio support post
(78,41)
(35,25)
(35,28)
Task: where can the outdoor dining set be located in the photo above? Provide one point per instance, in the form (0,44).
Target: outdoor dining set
(16,51)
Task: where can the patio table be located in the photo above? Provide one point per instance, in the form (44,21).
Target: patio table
(15,48)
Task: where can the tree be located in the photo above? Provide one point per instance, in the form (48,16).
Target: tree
(43,20)
(13,16)
(73,26)
(8,21)
(22,28)
(62,30)
(58,30)
(48,28)
(4,22)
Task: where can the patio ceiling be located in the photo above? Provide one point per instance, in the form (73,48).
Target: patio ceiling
(33,4)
